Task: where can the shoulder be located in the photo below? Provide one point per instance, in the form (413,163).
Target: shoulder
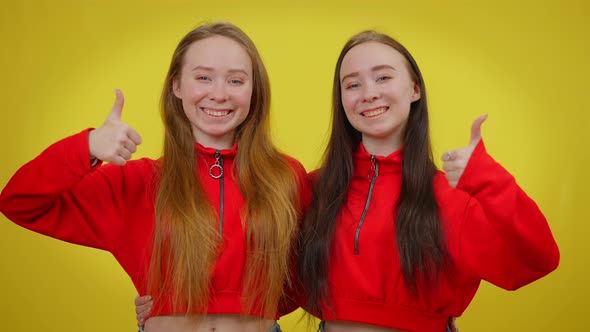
(314,176)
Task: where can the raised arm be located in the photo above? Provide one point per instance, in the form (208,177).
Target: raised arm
(505,238)
(63,194)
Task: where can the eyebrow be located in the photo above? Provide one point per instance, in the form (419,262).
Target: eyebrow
(376,68)
(205,68)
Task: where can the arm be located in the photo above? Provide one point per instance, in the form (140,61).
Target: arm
(505,238)
(61,195)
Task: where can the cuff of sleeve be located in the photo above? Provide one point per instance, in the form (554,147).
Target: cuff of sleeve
(481,170)
(77,154)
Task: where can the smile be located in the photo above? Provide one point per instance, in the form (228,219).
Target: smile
(375,111)
(216,112)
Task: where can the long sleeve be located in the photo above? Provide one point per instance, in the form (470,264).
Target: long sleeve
(60,195)
(505,239)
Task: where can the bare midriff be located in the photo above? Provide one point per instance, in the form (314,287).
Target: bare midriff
(342,326)
(208,323)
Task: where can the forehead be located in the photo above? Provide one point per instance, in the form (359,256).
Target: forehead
(218,52)
(367,55)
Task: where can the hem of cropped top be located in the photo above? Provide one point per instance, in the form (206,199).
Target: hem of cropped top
(389,315)
(221,302)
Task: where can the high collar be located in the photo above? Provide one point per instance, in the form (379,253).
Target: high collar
(391,163)
(230,153)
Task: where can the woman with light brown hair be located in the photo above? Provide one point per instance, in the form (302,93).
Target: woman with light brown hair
(208,229)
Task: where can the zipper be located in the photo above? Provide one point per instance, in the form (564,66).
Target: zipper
(372,178)
(216,172)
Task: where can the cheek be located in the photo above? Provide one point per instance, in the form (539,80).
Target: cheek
(348,101)
(191,116)
(192,92)
(244,98)
(349,113)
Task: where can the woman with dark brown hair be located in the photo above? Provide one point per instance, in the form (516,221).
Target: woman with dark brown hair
(390,243)
(207,230)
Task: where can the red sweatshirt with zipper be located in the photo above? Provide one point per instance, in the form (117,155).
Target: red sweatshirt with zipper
(112,208)
(493,230)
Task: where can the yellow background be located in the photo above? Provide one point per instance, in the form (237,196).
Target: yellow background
(525,63)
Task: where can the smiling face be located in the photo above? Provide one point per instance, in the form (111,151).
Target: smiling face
(215,85)
(377,90)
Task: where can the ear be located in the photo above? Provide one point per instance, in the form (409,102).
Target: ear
(176,88)
(417,94)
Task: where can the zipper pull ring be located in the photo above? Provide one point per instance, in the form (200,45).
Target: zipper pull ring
(216,171)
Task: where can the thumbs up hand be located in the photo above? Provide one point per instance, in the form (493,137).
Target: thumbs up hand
(455,161)
(114,141)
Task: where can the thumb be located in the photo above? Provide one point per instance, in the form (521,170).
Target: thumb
(476,129)
(117,109)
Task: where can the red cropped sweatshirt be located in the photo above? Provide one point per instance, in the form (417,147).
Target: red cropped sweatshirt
(493,230)
(112,208)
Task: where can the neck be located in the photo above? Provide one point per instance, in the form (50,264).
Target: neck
(218,143)
(381,146)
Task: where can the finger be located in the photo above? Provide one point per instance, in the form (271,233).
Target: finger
(119,161)
(449,166)
(124,153)
(476,129)
(130,146)
(134,136)
(142,311)
(448,156)
(142,304)
(142,300)
(117,109)
(143,314)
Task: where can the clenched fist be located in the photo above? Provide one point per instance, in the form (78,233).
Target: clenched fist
(114,141)
(455,161)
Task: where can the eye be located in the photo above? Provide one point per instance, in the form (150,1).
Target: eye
(384,78)
(202,78)
(352,86)
(236,81)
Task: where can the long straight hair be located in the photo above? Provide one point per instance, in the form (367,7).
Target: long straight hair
(419,237)
(186,245)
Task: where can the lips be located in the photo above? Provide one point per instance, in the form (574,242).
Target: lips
(216,112)
(374,111)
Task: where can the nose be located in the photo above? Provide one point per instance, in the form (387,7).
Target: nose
(218,92)
(370,93)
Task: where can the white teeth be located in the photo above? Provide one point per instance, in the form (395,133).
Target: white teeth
(376,112)
(215,112)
